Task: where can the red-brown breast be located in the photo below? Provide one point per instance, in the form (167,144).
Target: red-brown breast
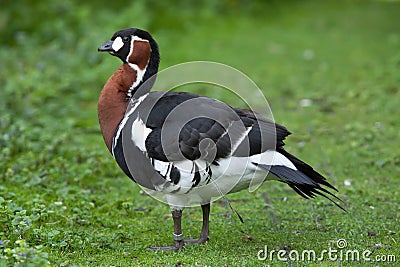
(113,101)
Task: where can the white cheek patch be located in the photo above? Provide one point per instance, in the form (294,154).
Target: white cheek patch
(117,44)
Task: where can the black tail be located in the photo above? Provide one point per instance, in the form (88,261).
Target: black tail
(305,180)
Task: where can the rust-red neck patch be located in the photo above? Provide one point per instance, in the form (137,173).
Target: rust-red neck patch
(140,54)
(113,101)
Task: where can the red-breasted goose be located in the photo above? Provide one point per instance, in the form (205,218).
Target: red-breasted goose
(189,147)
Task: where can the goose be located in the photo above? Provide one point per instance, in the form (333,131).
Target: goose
(187,147)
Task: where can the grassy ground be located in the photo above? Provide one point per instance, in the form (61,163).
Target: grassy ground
(63,201)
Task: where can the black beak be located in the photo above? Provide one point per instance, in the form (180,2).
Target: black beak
(107,47)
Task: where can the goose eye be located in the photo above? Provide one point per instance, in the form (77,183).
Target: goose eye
(125,39)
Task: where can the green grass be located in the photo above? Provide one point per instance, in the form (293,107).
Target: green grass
(63,200)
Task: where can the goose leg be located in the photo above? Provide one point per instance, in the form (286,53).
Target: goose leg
(178,236)
(204,235)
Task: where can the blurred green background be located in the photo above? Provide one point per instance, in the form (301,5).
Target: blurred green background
(329,69)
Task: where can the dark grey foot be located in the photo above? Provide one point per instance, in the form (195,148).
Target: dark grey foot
(178,245)
(179,242)
(195,241)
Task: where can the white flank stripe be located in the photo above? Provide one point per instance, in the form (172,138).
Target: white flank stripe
(185,166)
(161,167)
(280,159)
(271,157)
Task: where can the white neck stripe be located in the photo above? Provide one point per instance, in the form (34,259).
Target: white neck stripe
(139,77)
(139,72)
(136,38)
